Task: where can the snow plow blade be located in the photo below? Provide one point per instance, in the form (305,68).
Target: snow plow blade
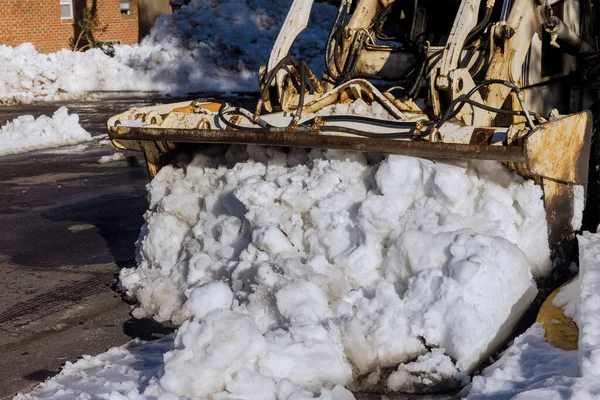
(555,154)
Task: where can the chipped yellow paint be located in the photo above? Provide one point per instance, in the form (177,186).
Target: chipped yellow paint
(186,109)
(191,108)
(561,331)
(212,107)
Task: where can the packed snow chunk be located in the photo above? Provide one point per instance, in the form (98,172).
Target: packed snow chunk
(462,317)
(249,385)
(112,158)
(27,133)
(430,373)
(309,356)
(210,352)
(209,297)
(302,303)
(578,206)
(273,241)
(446,300)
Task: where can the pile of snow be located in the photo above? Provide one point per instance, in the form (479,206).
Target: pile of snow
(300,273)
(208,45)
(27,76)
(342,270)
(26,133)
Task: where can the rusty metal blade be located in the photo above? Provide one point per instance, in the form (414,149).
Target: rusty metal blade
(290,138)
(560,150)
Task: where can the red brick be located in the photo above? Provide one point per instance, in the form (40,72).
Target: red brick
(39,22)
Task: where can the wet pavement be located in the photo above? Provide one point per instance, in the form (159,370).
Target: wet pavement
(67,225)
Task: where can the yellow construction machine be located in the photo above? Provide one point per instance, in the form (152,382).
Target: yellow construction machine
(458,79)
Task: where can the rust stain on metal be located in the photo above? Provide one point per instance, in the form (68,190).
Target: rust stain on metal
(559,205)
(291,137)
(482,135)
(561,331)
(560,150)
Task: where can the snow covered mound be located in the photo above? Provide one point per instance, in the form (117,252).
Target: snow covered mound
(27,133)
(220,45)
(209,45)
(326,268)
(27,76)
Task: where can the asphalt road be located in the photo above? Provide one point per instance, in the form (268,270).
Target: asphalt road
(67,225)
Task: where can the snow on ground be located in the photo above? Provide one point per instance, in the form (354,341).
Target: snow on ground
(533,369)
(294,274)
(589,307)
(27,133)
(112,158)
(208,45)
(529,369)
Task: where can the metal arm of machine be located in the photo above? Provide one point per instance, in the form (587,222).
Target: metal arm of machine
(464,22)
(295,22)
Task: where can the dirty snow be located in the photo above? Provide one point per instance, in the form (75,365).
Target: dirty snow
(217,45)
(27,133)
(111,158)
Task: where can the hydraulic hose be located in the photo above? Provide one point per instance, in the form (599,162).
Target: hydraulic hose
(465,99)
(489,7)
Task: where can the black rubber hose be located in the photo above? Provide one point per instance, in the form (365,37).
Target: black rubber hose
(270,128)
(230,124)
(271,76)
(301,93)
(332,32)
(358,118)
(356,132)
(417,82)
(480,26)
(461,99)
(492,109)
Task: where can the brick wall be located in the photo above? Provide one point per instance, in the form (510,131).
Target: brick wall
(39,22)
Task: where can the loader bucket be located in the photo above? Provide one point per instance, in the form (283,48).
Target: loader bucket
(555,154)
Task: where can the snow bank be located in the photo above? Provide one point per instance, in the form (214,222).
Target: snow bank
(589,307)
(27,133)
(209,45)
(28,76)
